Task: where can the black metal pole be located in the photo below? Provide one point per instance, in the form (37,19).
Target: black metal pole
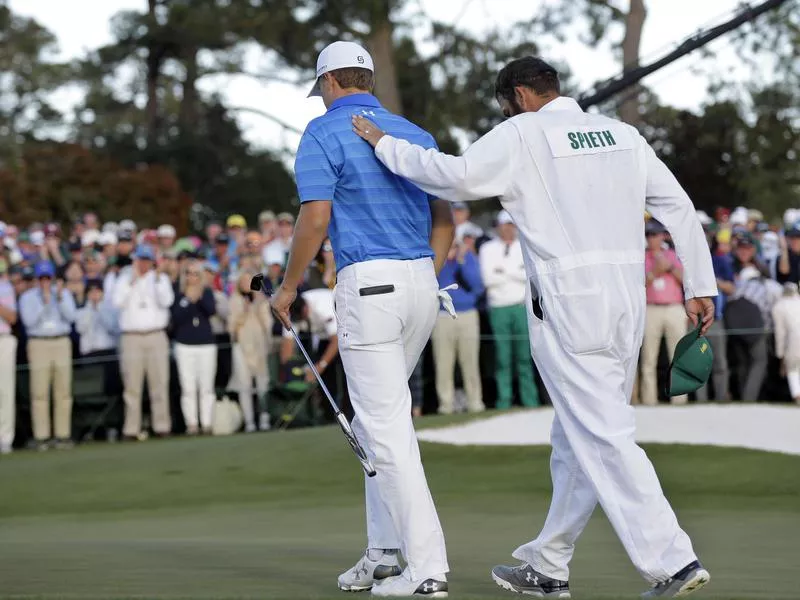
(629,78)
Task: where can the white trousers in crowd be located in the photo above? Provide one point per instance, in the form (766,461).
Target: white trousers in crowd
(381,337)
(587,359)
(8,372)
(243,384)
(197,368)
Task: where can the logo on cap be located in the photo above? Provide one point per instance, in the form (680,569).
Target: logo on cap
(361,60)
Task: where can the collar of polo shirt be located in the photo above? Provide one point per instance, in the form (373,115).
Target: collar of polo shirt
(355,99)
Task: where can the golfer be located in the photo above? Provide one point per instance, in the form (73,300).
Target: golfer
(389,241)
(577,186)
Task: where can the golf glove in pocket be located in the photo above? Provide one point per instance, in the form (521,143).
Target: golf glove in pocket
(446,300)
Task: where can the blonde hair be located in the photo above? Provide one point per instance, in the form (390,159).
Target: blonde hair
(189,266)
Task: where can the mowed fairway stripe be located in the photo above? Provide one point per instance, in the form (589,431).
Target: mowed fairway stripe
(279,515)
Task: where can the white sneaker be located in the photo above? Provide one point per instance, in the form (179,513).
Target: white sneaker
(376,564)
(402,586)
(250,428)
(263,421)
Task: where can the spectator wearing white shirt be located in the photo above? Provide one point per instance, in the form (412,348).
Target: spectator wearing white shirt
(8,360)
(786,319)
(143,297)
(503,273)
(282,241)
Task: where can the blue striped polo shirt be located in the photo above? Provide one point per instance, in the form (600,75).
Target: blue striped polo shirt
(374,214)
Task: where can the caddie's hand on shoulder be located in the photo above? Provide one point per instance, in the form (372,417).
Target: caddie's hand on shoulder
(704,307)
(367,130)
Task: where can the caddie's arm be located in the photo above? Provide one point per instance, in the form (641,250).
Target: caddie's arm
(667,201)
(485,170)
(443,231)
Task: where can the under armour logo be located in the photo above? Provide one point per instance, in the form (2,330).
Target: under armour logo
(429,587)
(368,112)
(360,59)
(530,577)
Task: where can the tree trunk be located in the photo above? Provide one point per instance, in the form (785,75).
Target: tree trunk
(381,47)
(188,109)
(634,23)
(153,69)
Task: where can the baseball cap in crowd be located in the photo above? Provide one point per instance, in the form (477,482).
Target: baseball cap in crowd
(340,55)
(703,217)
(266,216)
(94,283)
(166,231)
(223,238)
(89,237)
(691,364)
(285,217)
(236,221)
(44,268)
(755,215)
(75,246)
(28,273)
(793,231)
(107,238)
(110,227)
(124,235)
(126,225)
(37,238)
(144,252)
(724,236)
(654,226)
(274,256)
(504,218)
(745,239)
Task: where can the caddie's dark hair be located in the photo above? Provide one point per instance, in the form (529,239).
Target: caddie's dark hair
(354,77)
(530,72)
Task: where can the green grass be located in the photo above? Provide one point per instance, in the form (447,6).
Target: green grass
(279,515)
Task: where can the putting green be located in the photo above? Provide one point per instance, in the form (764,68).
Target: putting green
(279,515)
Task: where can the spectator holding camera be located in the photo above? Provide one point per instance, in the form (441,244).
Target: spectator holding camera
(195,351)
(97,325)
(47,311)
(250,325)
(143,296)
(459,339)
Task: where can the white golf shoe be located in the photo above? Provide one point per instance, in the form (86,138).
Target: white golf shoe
(402,586)
(375,565)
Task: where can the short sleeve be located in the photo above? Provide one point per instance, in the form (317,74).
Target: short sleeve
(315,175)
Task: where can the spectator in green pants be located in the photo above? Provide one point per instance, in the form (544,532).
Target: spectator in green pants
(503,275)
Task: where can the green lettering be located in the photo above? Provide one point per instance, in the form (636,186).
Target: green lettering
(582,140)
(592,140)
(600,139)
(573,141)
(609,138)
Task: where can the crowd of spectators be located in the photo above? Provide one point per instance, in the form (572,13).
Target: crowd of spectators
(138,300)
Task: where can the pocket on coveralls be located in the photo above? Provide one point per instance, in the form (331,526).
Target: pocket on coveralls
(581,320)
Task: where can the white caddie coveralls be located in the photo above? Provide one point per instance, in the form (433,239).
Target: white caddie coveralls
(577,186)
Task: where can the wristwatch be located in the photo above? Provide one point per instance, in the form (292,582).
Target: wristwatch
(323,364)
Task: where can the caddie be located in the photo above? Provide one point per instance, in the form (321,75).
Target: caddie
(577,185)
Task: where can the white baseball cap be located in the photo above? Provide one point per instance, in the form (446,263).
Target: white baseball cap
(340,55)
(166,231)
(503,218)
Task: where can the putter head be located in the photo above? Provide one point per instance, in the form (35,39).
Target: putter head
(257,283)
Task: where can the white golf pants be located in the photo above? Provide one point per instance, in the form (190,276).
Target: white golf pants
(587,359)
(382,332)
(197,368)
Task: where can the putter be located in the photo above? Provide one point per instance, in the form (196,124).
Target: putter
(257,285)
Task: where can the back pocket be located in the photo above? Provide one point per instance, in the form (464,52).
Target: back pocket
(581,321)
